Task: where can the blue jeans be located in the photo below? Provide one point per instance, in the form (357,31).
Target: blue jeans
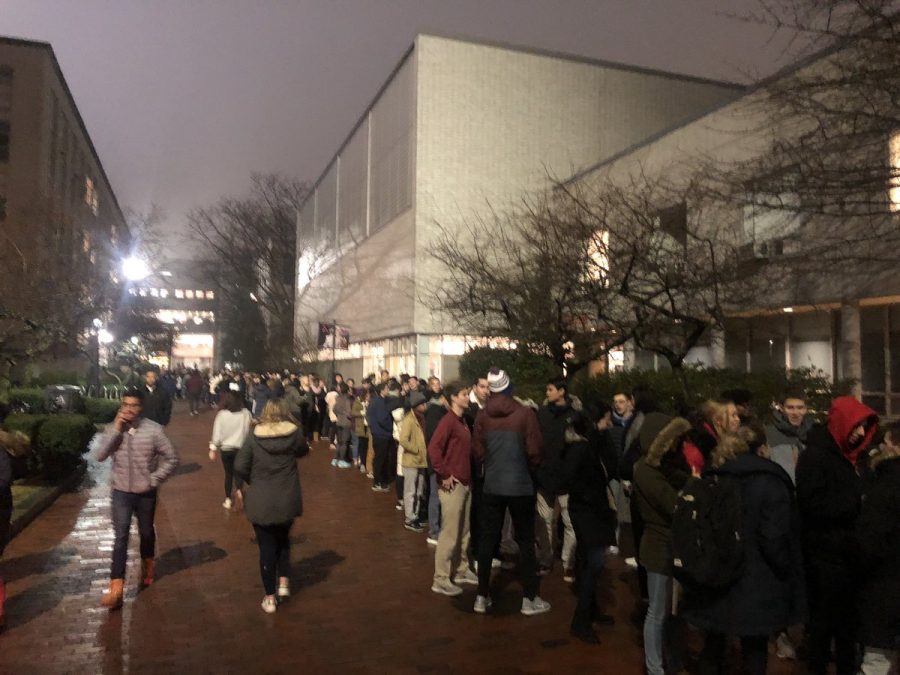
(124,506)
(354,445)
(434,506)
(660,590)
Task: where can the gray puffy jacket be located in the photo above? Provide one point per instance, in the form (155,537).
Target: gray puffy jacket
(142,457)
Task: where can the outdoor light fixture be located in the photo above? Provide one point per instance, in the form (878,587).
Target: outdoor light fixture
(134,340)
(788,310)
(97,323)
(253,297)
(105,337)
(135,268)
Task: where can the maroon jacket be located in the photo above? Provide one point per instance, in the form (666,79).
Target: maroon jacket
(450,449)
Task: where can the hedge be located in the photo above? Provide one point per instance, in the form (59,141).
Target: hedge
(32,397)
(101,410)
(57,441)
(529,373)
(677,390)
(674,390)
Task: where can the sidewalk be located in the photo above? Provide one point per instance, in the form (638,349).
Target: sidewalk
(361,590)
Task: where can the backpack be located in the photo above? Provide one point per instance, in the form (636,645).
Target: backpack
(707,545)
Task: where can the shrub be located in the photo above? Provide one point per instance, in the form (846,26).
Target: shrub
(57,377)
(32,397)
(101,410)
(676,390)
(57,441)
(529,373)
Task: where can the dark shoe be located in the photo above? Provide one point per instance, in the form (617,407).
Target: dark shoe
(413,526)
(585,634)
(602,619)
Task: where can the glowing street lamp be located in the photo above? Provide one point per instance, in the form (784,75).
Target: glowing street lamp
(135,269)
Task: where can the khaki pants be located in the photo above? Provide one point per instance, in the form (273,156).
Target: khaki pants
(545,531)
(453,541)
(370,455)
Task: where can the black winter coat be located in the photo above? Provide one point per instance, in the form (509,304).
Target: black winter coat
(583,475)
(878,530)
(553,420)
(770,593)
(157,405)
(268,464)
(829,494)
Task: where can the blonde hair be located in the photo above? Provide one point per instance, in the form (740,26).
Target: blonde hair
(729,447)
(716,414)
(276,411)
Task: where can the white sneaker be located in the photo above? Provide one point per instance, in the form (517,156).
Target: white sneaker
(227,503)
(446,587)
(482,604)
(465,578)
(269,606)
(784,648)
(431,541)
(284,590)
(632,563)
(613,550)
(536,606)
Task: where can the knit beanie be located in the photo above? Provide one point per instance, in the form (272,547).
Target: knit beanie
(498,381)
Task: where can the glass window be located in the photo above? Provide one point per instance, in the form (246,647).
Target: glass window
(210,295)
(189,295)
(894,152)
(179,293)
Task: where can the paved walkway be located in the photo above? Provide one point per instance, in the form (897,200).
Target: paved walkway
(362,601)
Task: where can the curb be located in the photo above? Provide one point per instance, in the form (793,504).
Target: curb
(42,504)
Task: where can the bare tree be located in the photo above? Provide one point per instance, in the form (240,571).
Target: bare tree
(250,248)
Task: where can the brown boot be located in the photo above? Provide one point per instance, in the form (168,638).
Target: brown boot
(146,572)
(315,437)
(113,597)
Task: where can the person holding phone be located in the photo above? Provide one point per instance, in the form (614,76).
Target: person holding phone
(142,459)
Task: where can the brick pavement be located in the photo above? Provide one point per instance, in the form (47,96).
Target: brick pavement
(361,591)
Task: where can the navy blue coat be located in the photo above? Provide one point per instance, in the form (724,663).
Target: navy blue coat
(770,593)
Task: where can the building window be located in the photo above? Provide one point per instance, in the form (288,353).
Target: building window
(189,295)
(210,295)
(4,141)
(179,294)
(91,198)
(894,150)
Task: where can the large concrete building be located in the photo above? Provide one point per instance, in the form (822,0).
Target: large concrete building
(57,207)
(845,324)
(459,127)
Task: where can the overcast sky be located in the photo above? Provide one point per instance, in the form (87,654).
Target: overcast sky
(185,98)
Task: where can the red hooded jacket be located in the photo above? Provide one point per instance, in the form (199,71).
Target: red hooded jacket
(845,415)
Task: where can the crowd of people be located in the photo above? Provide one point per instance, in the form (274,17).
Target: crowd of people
(782,531)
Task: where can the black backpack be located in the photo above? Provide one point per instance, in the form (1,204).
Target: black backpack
(706,533)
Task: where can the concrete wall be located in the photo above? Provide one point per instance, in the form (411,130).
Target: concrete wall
(493,123)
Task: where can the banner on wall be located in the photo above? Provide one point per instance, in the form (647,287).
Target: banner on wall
(329,333)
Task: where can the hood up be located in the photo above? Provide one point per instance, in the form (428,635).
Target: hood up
(666,439)
(845,415)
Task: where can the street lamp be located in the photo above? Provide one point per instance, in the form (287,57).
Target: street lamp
(135,269)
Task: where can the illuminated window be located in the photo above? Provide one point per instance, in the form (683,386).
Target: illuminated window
(198,295)
(143,292)
(179,293)
(894,191)
(154,292)
(189,295)
(163,293)
(210,295)
(131,291)
(91,198)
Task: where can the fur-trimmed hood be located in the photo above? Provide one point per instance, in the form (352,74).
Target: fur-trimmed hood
(666,440)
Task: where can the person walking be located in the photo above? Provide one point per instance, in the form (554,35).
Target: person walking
(267,463)
(507,441)
(193,385)
(11,445)
(230,429)
(142,459)
(414,462)
(829,494)
(157,405)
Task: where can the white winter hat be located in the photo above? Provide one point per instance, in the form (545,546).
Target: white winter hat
(498,380)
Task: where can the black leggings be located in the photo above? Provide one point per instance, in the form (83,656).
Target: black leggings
(228,455)
(274,553)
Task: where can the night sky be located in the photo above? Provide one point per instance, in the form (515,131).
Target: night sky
(185,98)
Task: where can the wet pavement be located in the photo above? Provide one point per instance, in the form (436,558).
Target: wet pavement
(361,590)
